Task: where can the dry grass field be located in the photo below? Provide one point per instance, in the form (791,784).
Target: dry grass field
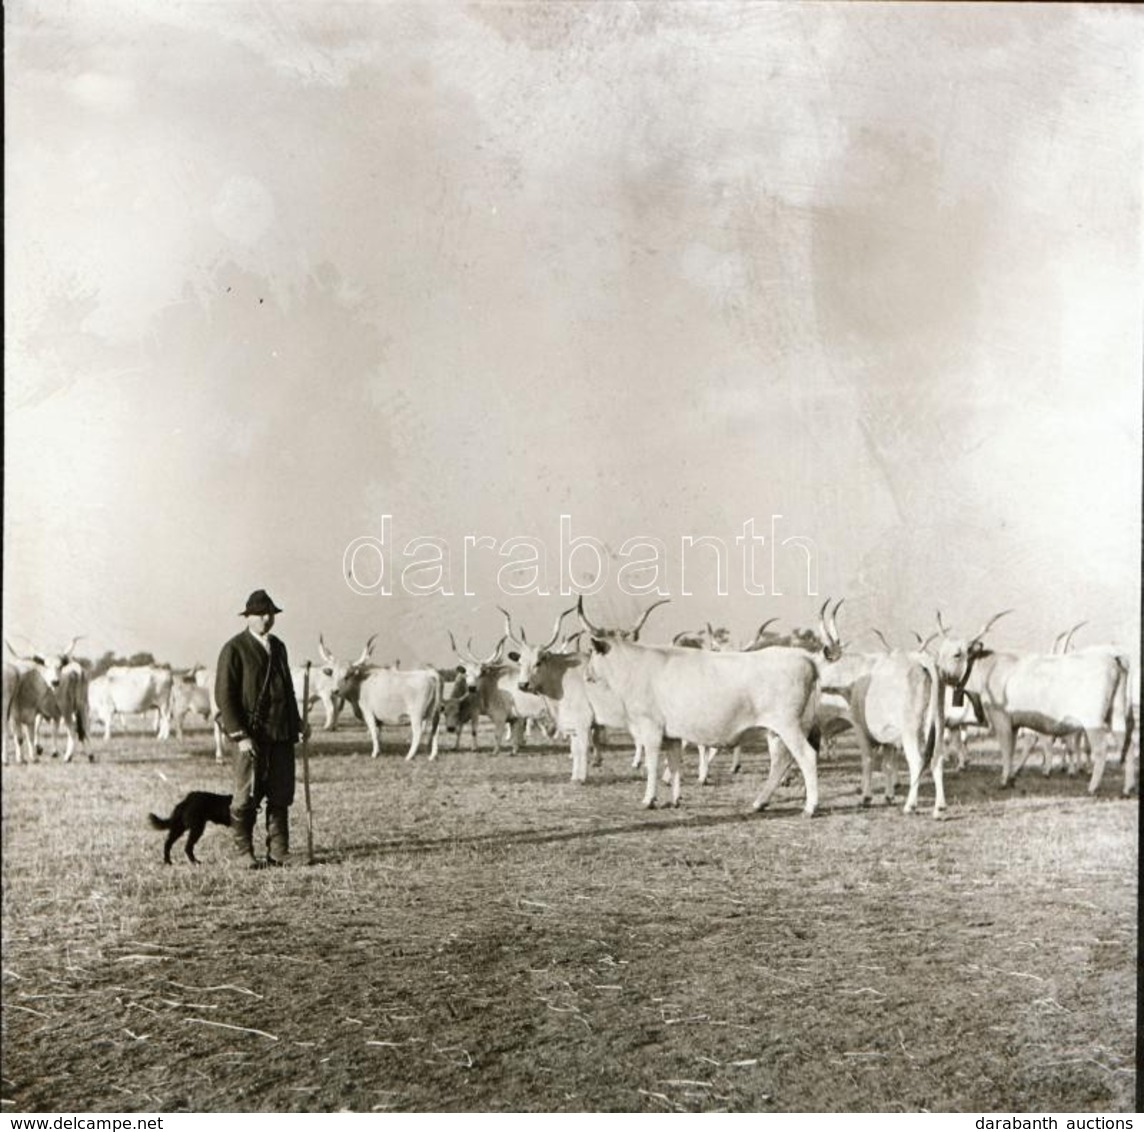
(479,934)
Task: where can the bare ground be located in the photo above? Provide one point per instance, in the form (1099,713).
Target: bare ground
(480,934)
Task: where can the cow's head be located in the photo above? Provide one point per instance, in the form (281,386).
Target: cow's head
(602,640)
(343,678)
(50,665)
(633,634)
(533,659)
(474,667)
(956,655)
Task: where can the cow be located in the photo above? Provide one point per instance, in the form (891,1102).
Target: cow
(193,691)
(894,698)
(386,695)
(1049,694)
(718,640)
(324,679)
(132,689)
(710,698)
(59,697)
(494,681)
(580,709)
(1076,748)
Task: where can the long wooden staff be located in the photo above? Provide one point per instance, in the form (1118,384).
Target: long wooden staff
(306,764)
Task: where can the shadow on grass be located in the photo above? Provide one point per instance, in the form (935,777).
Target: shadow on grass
(510,837)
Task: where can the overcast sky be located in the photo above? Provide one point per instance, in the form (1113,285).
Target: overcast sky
(277,270)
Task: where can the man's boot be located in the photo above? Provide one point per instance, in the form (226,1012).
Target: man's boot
(277,835)
(242,822)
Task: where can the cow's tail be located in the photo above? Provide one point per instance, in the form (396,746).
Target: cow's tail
(158,822)
(437,704)
(1120,709)
(934,721)
(810,726)
(81,717)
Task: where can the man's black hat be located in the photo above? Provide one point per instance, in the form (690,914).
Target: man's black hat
(259,602)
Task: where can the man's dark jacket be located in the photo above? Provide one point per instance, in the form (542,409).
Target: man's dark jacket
(255,693)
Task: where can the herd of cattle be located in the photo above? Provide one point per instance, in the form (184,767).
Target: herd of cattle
(801,690)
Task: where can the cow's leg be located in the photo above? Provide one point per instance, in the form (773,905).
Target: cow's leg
(652,741)
(674,771)
(518,729)
(596,744)
(889,766)
(374,729)
(69,745)
(1023,755)
(952,737)
(807,759)
(1099,748)
(416,726)
(938,771)
(1126,755)
(578,747)
(912,750)
(781,762)
(164,723)
(637,755)
(434,734)
(1004,732)
(706,758)
(217,741)
(498,722)
(866,751)
(107,726)
(736,759)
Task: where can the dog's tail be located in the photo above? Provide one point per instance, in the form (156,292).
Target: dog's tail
(158,822)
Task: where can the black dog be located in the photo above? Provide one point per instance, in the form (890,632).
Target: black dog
(192,814)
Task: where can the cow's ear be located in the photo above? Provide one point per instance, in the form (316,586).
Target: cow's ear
(327,672)
(514,656)
(38,659)
(602,647)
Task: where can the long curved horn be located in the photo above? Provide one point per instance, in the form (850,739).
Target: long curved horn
(365,652)
(833,626)
(595,630)
(468,659)
(1068,639)
(941,625)
(13,651)
(522,639)
(76,640)
(882,637)
(990,623)
(327,656)
(492,658)
(822,620)
(568,645)
(680,635)
(646,614)
(1057,642)
(556,629)
(927,642)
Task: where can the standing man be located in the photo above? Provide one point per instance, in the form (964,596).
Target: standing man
(255,696)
